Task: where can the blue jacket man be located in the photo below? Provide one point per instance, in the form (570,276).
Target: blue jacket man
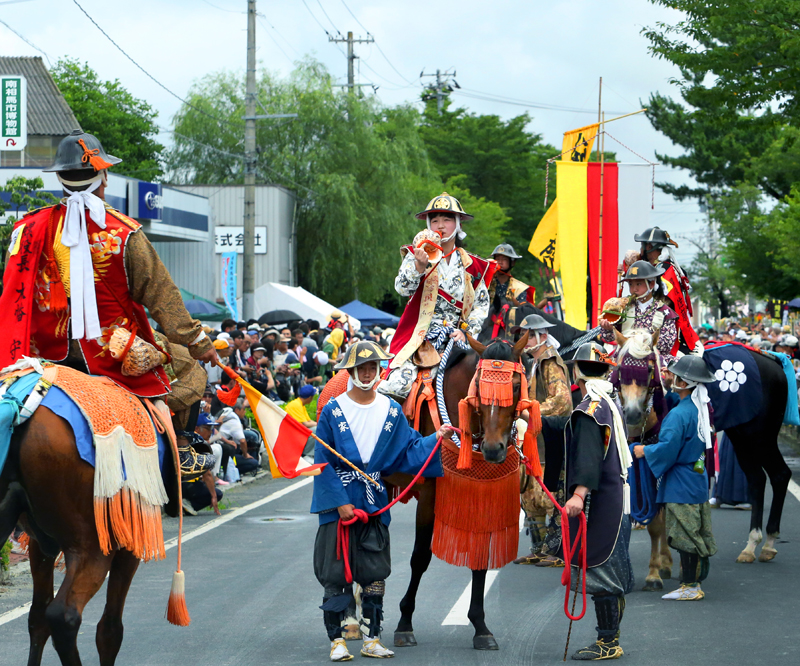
(678,460)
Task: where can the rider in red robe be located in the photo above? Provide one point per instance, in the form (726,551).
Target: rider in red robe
(78,271)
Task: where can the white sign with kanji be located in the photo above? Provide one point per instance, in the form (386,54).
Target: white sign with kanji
(231,239)
(13,113)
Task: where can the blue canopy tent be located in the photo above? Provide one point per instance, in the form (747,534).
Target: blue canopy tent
(369,316)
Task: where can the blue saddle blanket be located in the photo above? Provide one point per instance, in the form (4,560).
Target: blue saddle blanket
(59,403)
(736,393)
(791,416)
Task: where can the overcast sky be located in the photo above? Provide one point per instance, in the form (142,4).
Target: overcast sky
(542,53)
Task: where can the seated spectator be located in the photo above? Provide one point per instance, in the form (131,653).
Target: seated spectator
(253,335)
(205,428)
(297,410)
(314,368)
(241,326)
(262,377)
(282,355)
(298,347)
(227,325)
(215,372)
(231,437)
(203,492)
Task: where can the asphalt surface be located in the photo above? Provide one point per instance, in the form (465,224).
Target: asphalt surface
(253,599)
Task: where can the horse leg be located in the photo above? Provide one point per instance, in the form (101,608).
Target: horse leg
(665,566)
(483,639)
(86,572)
(655,529)
(110,629)
(779,475)
(42,573)
(756,483)
(420,560)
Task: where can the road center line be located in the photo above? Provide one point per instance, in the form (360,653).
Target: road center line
(458,613)
(19,611)
(794,489)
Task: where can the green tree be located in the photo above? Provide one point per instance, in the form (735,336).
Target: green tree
(359,171)
(714,282)
(25,193)
(752,247)
(125,125)
(488,229)
(500,161)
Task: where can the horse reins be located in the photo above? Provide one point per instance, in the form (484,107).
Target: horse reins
(343,528)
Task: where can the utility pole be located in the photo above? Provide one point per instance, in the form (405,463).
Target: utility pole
(442,88)
(351,56)
(249,273)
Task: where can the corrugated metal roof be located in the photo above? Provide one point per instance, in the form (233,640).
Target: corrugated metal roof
(48,111)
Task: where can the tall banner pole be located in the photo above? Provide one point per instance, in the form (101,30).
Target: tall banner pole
(600,119)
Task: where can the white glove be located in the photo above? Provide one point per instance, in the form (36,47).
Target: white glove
(658,320)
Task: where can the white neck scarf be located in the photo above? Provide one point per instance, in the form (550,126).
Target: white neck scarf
(83,300)
(462,235)
(701,401)
(600,389)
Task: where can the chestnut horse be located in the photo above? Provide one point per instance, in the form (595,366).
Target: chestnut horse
(47,488)
(494,439)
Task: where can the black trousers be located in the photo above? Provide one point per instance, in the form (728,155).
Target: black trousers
(197,494)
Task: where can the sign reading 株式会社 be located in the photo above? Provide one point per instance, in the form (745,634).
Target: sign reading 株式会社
(13,113)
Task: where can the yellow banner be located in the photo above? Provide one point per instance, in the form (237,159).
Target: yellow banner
(573,238)
(577,146)
(544,245)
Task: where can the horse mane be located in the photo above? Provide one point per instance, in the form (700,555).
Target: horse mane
(499,350)
(639,345)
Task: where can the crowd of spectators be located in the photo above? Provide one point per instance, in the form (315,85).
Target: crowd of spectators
(289,365)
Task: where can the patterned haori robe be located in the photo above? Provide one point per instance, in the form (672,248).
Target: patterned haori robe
(457,283)
(638,317)
(519,290)
(400,448)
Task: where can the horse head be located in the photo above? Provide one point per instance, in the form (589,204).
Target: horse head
(637,376)
(498,393)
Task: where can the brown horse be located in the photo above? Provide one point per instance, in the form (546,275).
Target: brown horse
(48,489)
(492,425)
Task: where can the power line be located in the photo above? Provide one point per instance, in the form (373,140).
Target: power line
(29,43)
(531,105)
(222,9)
(269,23)
(328,17)
(275,41)
(222,121)
(380,50)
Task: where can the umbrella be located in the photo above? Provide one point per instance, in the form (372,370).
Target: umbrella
(794,303)
(279,317)
(369,316)
(203,309)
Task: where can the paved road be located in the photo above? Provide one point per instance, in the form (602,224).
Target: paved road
(253,599)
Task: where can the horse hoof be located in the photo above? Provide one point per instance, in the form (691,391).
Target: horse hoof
(665,574)
(485,643)
(404,639)
(652,585)
(767,554)
(746,558)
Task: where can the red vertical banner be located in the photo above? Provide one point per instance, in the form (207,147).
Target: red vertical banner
(608,288)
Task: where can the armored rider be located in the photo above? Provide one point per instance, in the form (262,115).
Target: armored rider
(370,431)
(446,288)
(642,311)
(78,271)
(597,461)
(656,248)
(505,285)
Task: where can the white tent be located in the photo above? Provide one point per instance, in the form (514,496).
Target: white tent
(274,296)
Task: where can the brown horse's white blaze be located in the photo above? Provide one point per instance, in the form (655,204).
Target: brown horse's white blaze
(635,396)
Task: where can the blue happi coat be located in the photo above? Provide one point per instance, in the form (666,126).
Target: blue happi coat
(673,457)
(400,448)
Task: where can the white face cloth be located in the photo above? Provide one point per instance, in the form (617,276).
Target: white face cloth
(74,235)
(458,231)
(700,399)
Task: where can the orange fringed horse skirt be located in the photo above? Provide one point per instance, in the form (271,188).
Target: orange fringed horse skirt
(477,511)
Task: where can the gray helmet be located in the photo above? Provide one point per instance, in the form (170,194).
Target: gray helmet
(363,352)
(591,352)
(692,368)
(71,155)
(656,236)
(506,250)
(643,270)
(535,322)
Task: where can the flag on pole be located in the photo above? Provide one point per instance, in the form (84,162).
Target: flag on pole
(577,145)
(544,244)
(284,437)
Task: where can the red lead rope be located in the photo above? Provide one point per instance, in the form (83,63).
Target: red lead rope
(343,529)
(569,553)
